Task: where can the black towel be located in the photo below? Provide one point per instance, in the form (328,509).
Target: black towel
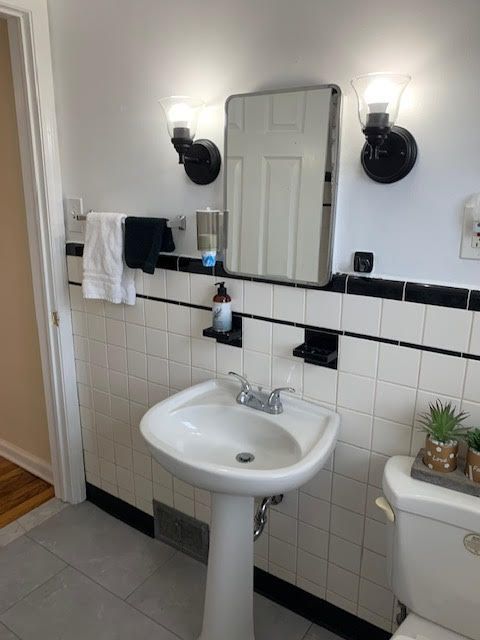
(144,239)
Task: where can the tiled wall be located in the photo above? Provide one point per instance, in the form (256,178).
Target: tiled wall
(328,538)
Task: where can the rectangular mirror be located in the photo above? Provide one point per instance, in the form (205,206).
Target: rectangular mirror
(281,155)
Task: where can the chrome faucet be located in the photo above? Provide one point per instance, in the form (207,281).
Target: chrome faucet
(260,400)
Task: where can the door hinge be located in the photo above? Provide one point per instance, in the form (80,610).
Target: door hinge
(56,318)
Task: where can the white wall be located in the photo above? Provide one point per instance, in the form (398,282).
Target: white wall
(114,58)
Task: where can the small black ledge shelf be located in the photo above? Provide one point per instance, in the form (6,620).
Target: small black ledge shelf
(233,338)
(320,348)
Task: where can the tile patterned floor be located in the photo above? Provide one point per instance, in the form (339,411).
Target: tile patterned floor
(75,572)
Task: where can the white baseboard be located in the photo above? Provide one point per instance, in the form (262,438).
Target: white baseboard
(27,461)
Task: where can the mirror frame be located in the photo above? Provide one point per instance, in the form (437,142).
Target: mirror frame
(333,142)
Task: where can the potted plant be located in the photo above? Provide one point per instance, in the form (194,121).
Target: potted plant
(443,425)
(472,466)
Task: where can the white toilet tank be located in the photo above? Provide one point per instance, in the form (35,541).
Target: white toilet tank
(434,549)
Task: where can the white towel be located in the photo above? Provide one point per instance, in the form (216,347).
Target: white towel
(105,274)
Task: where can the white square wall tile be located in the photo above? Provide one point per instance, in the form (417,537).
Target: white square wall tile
(178,286)
(285,338)
(116,332)
(472,381)
(349,494)
(400,365)
(475,339)
(394,402)
(202,289)
(361,314)
(391,438)
(447,328)
(312,568)
(402,321)
(154,284)
(156,314)
(376,598)
(314,511)
(288,303)
(203,354)
(258,298)
(355,428)
(356,392)
(320,383)
(135,313)
(156,342)
(229,359)
(257,368)
(343,582)
(282,554)
(358,356)
(320,486)
(179,348)
(351,461)
(157,370)
(257,335)
(442,374)
(345,554)
(180,375)
(323,309)
(199,320)
(287,373)
(178,319)
(136,337)
(347,524)
(313,540)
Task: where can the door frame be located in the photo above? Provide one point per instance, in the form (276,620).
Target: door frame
(29,36)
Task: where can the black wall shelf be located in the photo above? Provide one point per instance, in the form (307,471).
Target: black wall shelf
(233,338)
(320,348)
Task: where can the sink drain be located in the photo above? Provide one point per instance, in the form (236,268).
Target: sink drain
(244,457)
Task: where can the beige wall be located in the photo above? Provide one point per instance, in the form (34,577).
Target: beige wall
(23,420)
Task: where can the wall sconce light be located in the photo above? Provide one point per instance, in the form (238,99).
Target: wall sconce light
(201,159)
(389,152)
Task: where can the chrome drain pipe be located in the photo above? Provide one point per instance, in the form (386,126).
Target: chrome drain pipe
(260,519)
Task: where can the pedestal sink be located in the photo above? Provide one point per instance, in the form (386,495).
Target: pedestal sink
(204,437)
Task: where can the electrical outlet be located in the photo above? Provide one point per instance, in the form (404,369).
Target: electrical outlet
(475,242)
(74,208)
(470,247)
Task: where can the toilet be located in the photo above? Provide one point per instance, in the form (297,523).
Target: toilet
(433,555)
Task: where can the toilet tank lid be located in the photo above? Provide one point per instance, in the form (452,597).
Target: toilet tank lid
(405,493)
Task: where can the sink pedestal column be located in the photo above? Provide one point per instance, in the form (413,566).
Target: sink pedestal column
(228,613)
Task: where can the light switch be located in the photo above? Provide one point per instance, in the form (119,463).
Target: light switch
(73,208)
(470,248)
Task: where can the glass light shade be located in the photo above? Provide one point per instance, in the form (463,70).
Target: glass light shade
(379,93)
(181,114)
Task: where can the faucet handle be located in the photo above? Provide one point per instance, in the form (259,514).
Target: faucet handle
(246,386)
(274,397)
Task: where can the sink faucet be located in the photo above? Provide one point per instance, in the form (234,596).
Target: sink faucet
(260,400)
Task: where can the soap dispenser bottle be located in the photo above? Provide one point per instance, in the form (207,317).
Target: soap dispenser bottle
(222,309)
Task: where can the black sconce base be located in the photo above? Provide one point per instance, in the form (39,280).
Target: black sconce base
(202,162)
(395,159)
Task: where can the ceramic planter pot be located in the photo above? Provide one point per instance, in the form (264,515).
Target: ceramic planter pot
(440,456)
(472,465)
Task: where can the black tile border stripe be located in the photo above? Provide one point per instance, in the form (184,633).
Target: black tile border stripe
(432,294)
(317,610)
(339,332)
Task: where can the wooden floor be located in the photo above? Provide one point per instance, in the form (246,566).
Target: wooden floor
(20,492)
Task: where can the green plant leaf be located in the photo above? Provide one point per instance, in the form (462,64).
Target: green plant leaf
(443,422)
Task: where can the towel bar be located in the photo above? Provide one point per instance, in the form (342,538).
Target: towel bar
(179,222)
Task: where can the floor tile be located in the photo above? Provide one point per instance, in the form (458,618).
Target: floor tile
(274,621)
(24,565)
(319,633)
(5,634)
(10,532)
(105,549)
(70,606)
(173,596)
(41,513)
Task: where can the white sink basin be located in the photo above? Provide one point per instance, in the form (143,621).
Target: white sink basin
(197,434)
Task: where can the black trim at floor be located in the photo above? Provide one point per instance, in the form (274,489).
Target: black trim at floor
(315,609)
